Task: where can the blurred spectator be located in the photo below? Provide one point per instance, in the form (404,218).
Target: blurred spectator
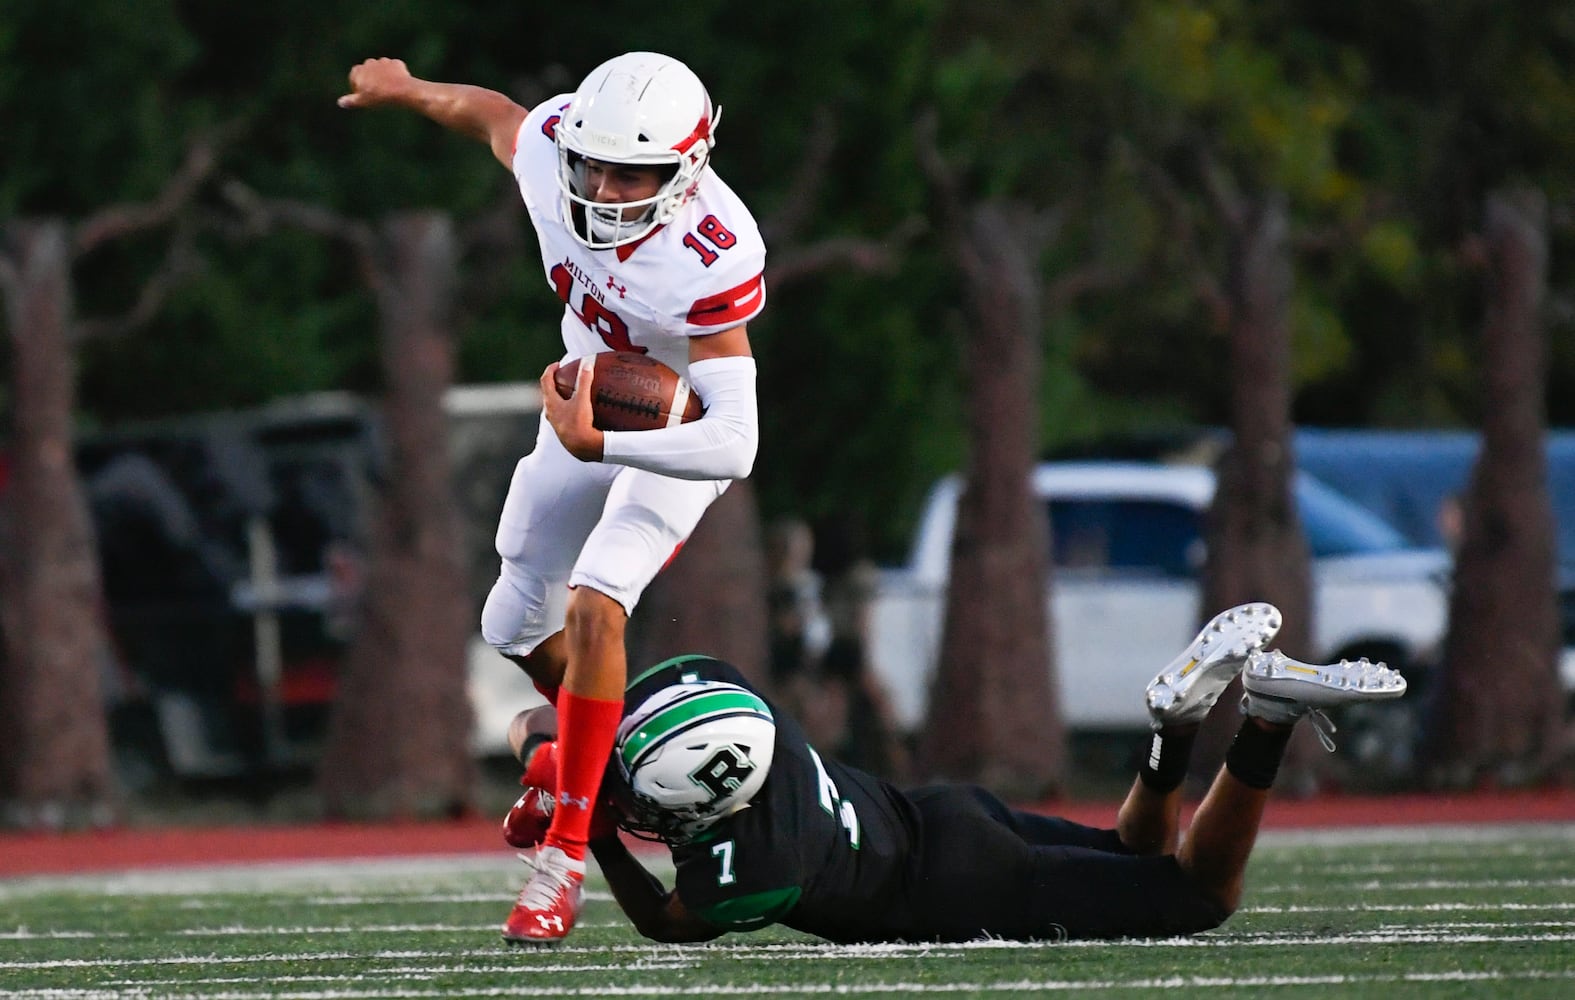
(1450,520)
(800,630)
(818,653)
(869,739)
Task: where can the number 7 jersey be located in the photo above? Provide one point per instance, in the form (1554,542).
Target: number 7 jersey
(822,847)
(701,273)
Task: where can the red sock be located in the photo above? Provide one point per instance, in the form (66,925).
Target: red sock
(541,770)
(586,730)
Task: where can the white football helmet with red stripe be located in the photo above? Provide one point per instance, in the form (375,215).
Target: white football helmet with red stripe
(640,109)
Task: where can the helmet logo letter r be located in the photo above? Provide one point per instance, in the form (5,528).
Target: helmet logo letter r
(725,771)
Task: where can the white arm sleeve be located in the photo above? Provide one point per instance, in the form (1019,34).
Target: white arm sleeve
(720,445)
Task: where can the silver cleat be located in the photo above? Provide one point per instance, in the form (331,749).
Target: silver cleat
(1190,685)
(1280,689)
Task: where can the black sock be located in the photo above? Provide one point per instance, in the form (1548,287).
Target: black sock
(1165,758)
(1254,755)
(532,741)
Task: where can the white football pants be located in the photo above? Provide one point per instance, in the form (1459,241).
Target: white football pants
(582,524)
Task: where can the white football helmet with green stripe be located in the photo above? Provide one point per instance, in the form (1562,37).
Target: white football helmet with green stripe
(691,754)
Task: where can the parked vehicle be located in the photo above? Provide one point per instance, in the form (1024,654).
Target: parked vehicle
(1410,477)
(1127,549)
(232,549)
(1407,477)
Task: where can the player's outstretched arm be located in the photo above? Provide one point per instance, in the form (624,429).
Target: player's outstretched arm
(477,112)
(657,914)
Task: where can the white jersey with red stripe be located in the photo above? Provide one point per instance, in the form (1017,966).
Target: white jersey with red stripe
(701,273)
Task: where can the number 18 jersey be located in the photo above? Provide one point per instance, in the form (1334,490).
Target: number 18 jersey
(701,273)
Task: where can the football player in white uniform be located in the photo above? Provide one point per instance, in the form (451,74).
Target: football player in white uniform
(649,251)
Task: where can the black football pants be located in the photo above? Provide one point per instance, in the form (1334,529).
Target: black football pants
(988,869)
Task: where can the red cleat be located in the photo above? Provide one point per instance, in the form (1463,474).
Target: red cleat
(550,902)
(528,819)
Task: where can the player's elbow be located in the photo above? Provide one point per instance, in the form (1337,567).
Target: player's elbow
(738,459)
(667,931)
(672,923)
(659,932)
(731,442)
(652,930)
(731,424)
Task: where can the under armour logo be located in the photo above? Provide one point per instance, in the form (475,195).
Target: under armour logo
(550,922)
(577,801)
(620,289)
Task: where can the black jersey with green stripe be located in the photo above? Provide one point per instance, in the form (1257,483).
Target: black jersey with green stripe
(822,847)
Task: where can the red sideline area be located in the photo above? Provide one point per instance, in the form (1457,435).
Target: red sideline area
(164,847)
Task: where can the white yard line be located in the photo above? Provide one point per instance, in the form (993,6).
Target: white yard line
(809,951)
(470,879)
(1016,987)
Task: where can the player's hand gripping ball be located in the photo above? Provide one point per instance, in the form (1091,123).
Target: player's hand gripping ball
(632,392)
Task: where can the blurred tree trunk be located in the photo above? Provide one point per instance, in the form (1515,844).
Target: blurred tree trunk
(398,741)
(1257,550)
(1498,706)
(994,717)
(711,598)
(54,739)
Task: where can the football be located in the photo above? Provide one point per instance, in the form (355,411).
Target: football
(632,392)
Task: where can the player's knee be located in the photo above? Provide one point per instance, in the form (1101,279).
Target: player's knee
(1212,905)
(1224,904)
(515,618)
(1193,901)
(1215,911)
(544,665)
(1214,916)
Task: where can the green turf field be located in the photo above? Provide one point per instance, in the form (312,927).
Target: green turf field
(1484,912)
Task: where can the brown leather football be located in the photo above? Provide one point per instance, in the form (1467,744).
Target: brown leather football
(632,392)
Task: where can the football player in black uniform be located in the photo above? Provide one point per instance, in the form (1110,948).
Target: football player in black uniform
(764,830)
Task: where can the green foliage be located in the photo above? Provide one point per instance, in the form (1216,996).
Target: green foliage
(1457,99)
(1385,124)
(1390,249)
(1319,341)
(1275,114)
(89,109)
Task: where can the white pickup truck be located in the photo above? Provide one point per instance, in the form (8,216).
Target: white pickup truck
(1127,549)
